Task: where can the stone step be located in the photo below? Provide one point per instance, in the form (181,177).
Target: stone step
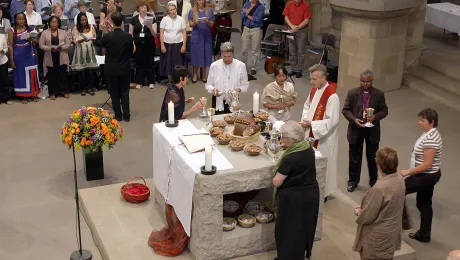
(443,63)
(439,94)
(436,78)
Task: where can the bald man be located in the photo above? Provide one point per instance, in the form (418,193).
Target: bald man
(454,255)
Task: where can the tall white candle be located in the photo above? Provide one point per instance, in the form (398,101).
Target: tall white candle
(208,158)
(171,112)
(255,102)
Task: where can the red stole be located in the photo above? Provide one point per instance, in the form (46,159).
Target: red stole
(321,107)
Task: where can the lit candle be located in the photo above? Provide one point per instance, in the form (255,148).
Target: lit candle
(255,102)
(208,158)
(171,112)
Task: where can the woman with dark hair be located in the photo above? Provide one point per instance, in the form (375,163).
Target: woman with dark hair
(144,39)
(379,218)
(23,57)
(55,43)
(279,96)
(84,57)
(201,19)
(298,195)
(175,94)
(424,172)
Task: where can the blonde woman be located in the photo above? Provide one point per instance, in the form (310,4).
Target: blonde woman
(173,39)
(58,10)
(201,19)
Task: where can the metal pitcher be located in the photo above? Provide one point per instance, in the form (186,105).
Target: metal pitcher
(233,100)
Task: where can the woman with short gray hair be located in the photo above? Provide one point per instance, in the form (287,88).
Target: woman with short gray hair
(298,195)
(173,39)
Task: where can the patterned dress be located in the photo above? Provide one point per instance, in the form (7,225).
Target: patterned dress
(26,82)
(84,56)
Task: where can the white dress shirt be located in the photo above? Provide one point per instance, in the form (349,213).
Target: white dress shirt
(226,77)
(34,19)
(173,29)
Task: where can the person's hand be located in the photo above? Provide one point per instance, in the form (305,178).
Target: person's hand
(163,49)
(359,122)
(182,50)
(13,65)
(305,123)
(216,92)
(250,17)
(294,29)
(80,41)
(404,173)
(190,100)
(238,90)
(59,48)
(357,210)
(281,106)
(198,105)
(370,119)
(54,50)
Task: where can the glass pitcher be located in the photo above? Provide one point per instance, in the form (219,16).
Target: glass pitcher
(273,146)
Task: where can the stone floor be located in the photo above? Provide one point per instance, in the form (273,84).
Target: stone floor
(36,170)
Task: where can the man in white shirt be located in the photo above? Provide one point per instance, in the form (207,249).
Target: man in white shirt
(320,118)
(226,74)
(33,18)
(83,9)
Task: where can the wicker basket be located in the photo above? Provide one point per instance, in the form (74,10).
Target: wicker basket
(231,212)
(270,208)
(260,207)
(263,221)
(246,216)
(135,192)
(246,139)
(230,221)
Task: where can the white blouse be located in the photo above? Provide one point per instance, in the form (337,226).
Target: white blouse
(34,19)
(173,29)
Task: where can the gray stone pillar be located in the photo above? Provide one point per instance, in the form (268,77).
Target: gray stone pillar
(373,36)
(415,30)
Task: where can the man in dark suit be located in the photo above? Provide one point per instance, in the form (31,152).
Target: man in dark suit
(358,99)
(119,48)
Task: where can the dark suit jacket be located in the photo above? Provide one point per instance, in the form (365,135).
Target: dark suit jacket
(353,108)
(119,50)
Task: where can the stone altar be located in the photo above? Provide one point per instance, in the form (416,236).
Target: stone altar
(208,241)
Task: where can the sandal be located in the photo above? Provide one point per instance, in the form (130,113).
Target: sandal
(24,101)
(53,97)
(35,99)
(66,95)
(83,92)
(418,237)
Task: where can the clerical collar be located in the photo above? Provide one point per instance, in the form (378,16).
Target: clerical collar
(368,91)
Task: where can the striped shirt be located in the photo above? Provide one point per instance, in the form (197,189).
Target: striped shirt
(431,141)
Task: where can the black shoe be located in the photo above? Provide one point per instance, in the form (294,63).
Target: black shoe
(372,183)
(298,75)
(126,119)
(292,73)
(406,225)
(250,77)
(351,187)
(118,118)
(253,72)
(420,238)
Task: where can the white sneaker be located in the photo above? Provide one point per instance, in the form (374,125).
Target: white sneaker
(138,86)
(151,86)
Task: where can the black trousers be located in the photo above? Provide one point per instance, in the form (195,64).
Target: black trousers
(423,185)
(57,80)
(142,72)
(355,158)
(119,92)
(4,91)
(85,79)
(226,108)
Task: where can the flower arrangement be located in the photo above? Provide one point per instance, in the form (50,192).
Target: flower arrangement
(92,129)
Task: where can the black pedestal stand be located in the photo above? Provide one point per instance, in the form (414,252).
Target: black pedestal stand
(79,254)
(211,172)
(176,123)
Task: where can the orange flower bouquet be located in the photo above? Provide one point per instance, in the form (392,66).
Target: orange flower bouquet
(92,129)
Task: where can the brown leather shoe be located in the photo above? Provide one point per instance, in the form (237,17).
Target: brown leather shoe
(53,97)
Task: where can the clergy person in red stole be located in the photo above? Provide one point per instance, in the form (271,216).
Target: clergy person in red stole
(320,119)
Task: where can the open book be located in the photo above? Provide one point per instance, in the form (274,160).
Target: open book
(196,141)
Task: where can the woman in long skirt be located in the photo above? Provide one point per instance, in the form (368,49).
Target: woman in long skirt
(24,60)
(201,19)
(298,195)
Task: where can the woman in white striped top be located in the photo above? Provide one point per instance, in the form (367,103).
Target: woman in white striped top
(424,173)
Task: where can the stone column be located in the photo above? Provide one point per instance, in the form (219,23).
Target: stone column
(415,30)
(373,37)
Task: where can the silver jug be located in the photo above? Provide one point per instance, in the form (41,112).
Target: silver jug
(233,100)
(273,146)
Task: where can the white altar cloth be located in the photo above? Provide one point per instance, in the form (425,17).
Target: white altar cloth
(180,173)
(444,15)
